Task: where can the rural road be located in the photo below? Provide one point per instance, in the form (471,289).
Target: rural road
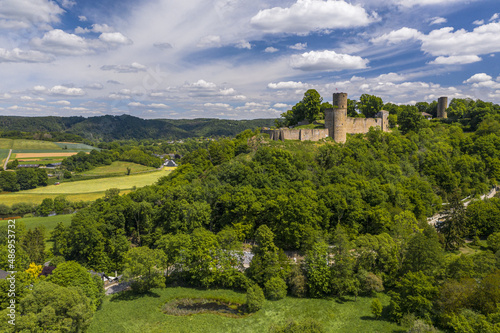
(7,160)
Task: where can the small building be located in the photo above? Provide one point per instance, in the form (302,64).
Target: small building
(53,165)
(28,166)
(169,163)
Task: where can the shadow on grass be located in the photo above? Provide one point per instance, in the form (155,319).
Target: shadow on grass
(130,295)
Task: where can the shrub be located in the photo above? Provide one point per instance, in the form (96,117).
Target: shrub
(275,288)
(255,298)
(297,282)
(494,241)
(376,308)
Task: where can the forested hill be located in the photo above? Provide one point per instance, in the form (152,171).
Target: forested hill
(109,128)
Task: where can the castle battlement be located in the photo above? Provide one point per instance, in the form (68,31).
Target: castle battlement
(337,124)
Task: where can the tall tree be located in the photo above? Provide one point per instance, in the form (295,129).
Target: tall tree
(454,228)
(369,105)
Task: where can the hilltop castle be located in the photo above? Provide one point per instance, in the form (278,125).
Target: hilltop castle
(338,124)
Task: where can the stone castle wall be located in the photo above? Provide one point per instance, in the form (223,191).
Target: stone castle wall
(337,124)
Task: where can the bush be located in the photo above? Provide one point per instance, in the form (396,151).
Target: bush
(275,288)
(376,308)
(494,242)
(297,282)
(255,298)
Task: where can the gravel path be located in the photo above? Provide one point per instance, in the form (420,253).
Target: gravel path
(7,160)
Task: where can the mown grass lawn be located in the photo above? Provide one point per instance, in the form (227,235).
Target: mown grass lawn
(117,167)
(128,313)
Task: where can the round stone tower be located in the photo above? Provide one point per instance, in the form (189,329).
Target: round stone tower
(339,117)
(441,109)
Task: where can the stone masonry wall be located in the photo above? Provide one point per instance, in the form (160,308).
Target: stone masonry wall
(362,125)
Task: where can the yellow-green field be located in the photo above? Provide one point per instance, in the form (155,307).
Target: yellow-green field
(20,144)
(86,190)
(117,167)
(6,143)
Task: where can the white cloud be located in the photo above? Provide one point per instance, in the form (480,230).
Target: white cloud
(478,22)
(136,104)
(438,20)
(62,90)
(68,3)
(82,18)
(209,41)
(97,28)
(228,91)
(158,106)
(203,84)
(39,88)
(217,105)
(23,13)
(133,68)
(326,61)
(119,96)
(398,36)
(61,102)
(311,15)
(271,49)
(455,60)
(18,55)
(288,85)
(298,46)
(59,42)
(479,77)
(115,38)
(494,17)
(281,105)
(243,45)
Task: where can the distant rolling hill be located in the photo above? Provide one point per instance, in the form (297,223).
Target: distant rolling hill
(107,128)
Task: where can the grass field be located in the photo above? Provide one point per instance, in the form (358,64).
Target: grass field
(40,155)
(3,155)
(117,167)
(20,144)
(74,146)
(6,143)
(49,222)
(11,198)
(128,313)
(85,190)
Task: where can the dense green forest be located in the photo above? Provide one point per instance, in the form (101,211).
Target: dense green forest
(109,128)
(355,212)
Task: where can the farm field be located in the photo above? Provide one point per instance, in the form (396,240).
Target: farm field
(130,313)
(3,155)
(85,190)
(117,167)
(6,143)
(11,198)
(49,222)
(21,144)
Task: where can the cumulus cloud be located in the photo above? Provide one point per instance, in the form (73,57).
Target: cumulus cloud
(312,15)
(478,22)
(438,20)
(288,85)
(281,105)
(455,60)
(271,49)
(61,102)
(66,91)
(298,46)
(96,86)
(59,42)
(97,28)
(18,55)
(209,41)
(24,13)
(494,17)
(398,36)
(203,84)
(228,91)
(82,18)
(326,61)
(217,105)
(243,45)
(133,68)
(115,38)
(479,77)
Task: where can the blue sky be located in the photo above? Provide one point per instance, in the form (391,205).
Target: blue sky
(240,59)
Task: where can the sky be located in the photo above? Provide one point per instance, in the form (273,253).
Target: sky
(240,59)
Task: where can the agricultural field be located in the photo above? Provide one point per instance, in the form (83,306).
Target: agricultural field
(85,190)
(6,143)
(131,313)
(75,146)
(21,144)
(3,155)
(117,167)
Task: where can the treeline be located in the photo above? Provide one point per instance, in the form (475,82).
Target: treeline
(45,136)
(84,162)
(59,205)
(124,127)
(23,179)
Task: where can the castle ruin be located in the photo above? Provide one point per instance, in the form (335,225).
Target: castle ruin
(338,124)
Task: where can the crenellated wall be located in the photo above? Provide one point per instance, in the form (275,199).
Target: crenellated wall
(337,124)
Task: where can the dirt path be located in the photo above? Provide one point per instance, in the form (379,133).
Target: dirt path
(7,160)
(437,217)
